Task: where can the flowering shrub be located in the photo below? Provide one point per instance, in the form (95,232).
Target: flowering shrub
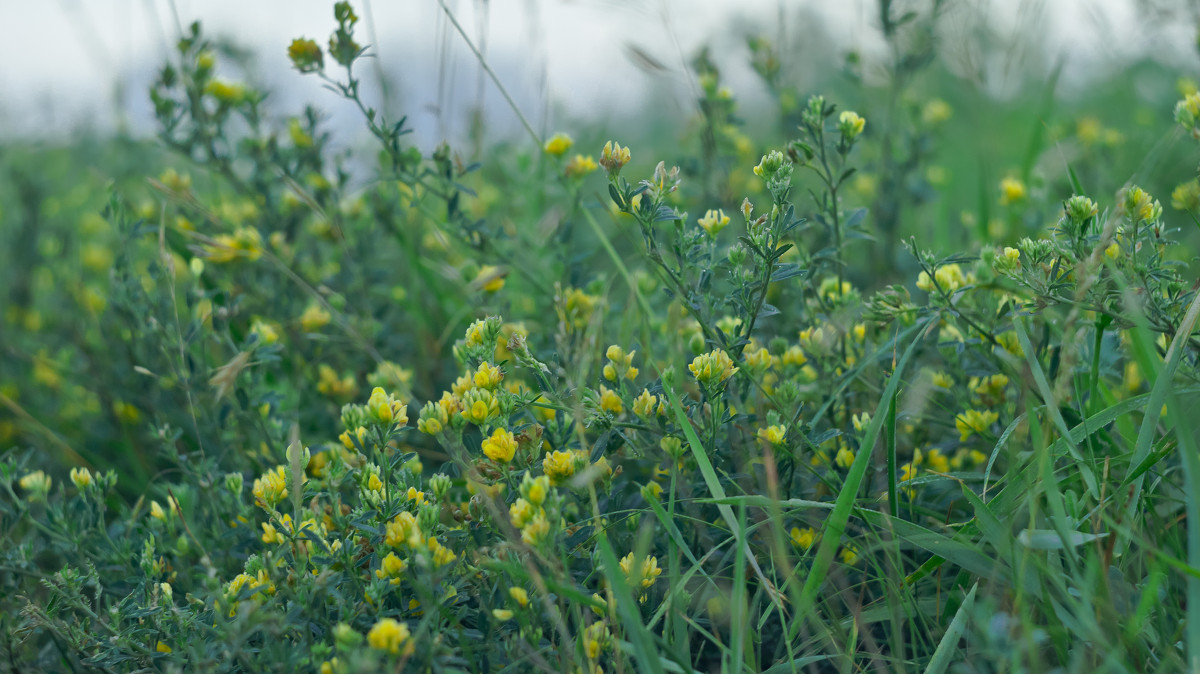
(401,425)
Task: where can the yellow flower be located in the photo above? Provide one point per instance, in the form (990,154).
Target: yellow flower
(851,124)
(712,368)
(226,93)
(502,614)
(861,421)
(844,458)
(37,483)
(803,538)
(610,401)
(949,277)
(271,488)
(943,380)
(644,404)
(501,447)
(849,554)
(613,157)
(314,318)
(440,554)
(772,435)
(244,244)
(521,512)
(559,466)
(974,421)
(645,575)
(714,221)
(936,111)
(413,494)
(490,279)
(1113,251)
(348,439)
(1012,254)
(579,166)
(391,635)
(519,595)
(558,144)
(536,529)
(402,530)
(272,535)
(162,648)
(794,356)
(479,405)
(82,477)
(488,376)
(384,407)
(1012,190)
(156,511)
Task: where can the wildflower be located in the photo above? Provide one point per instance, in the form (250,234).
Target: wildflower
(502,614)
(1113,251)
(271,488)
(803,538)
(402,530)
(305,55)
(490,279)
(434,417)
(37,484)
(851,125)
(948,277)
(156,511)
(535,489)
(244,244)
(479,405)
(769,165)
(501,446)
(265,332)
(391,635)
(579,166)
(713,368)
(273,535)
(339,388)
(519,595)
(861,421)
(943,380)
(1012,191)
(386,410)
(974,421)
(610,401)
(936,461)
(936,111)
(992,386)
(521,512)
(488,376)
(613,157)
(1140,205)
(849,554)
(559,466)
(348,439)
(1079,209)
(536,529)
(644,575)
(772,435)
(558,145)
(714,221)
(314,318)
(1187,113)
(440,554)
(1186,196)
(82,477)
(844,458)
(644,404)
(226,93)
(794,355)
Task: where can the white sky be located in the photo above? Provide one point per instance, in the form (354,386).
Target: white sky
(61,60)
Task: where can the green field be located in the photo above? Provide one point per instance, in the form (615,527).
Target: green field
(882,372)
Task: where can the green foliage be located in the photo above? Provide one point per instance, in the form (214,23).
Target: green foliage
(284,408)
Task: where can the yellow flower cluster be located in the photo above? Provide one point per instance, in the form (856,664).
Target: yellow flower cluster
(271,488)
(713,368)
(501,446)
(713,222)
(528,513)
(244,244)
(640,576)
(949,278)
(385,409)
(970,422)
(391,636)
(620,364)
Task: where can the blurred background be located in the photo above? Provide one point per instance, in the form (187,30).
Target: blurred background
(70,66)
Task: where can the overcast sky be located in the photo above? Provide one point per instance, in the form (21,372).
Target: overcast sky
(61,60)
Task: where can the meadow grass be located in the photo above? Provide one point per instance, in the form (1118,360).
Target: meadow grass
(913,387)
